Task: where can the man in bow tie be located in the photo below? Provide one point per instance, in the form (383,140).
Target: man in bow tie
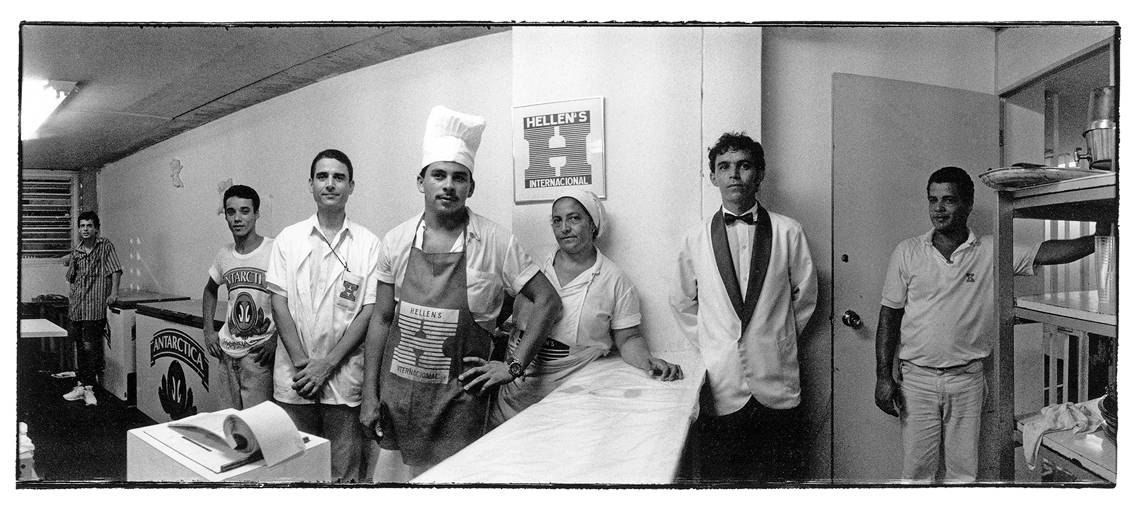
(757,291)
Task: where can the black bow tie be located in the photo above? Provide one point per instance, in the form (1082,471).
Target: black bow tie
(748,218)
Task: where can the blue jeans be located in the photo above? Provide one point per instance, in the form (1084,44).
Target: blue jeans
(246,383)
(88,337)
(339,424)
(941,420)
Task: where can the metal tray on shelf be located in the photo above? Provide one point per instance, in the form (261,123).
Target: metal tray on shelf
(1025,176)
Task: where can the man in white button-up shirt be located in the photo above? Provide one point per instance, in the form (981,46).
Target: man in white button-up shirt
(747,286)
(320,273)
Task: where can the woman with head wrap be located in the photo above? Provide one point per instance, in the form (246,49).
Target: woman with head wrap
(600,310)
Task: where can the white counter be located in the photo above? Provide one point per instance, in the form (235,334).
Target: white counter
(608,424)
(39,328)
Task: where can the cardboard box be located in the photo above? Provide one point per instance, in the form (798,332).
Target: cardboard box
(148,459)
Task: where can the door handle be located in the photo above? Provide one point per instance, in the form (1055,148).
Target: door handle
(852,319)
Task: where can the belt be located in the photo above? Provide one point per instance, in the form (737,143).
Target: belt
(552,350)
(951,368)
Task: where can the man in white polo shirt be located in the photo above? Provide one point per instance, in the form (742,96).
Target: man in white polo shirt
(937,321)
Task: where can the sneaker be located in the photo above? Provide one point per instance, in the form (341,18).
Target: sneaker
(75,394)
(89,396)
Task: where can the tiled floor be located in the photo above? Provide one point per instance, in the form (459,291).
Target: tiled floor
(75,443)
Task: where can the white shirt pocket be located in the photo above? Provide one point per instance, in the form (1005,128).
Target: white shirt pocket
(484,292)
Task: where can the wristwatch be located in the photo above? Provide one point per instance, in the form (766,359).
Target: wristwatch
(515,367)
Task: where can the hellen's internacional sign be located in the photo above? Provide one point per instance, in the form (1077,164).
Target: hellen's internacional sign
(557,146)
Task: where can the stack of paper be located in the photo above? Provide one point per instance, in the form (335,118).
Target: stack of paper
(227,439)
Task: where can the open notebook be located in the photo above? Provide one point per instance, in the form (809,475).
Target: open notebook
(227,439)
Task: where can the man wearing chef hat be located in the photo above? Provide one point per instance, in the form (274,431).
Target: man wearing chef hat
(441,275)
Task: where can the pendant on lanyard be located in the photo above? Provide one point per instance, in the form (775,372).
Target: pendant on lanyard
(350,282)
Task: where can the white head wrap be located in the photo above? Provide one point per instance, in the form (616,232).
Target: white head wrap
(452,136)
(591,203)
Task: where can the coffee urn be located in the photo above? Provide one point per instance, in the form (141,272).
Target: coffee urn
(1100,136)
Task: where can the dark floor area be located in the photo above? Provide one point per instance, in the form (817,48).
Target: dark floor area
(76,444)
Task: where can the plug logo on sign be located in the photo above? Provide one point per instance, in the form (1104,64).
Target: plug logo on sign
(557,150)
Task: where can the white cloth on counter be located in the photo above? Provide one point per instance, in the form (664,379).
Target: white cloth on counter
(608,423)
(1082,418)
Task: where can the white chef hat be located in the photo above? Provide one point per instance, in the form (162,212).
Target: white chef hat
(590,202)
(452,136)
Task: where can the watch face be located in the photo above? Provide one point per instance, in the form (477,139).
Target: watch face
(515,368)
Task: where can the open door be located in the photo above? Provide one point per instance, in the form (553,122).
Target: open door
(888,136)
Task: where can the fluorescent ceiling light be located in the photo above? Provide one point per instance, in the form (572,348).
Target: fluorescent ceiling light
(39,98)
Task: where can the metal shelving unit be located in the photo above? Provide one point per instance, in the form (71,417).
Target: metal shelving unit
(1084,199)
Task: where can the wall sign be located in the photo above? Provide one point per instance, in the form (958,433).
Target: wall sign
(557,146)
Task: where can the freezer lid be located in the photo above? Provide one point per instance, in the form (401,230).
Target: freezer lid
(129,299)
(185,312)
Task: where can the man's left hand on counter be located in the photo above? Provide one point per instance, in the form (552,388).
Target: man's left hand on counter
(665,371)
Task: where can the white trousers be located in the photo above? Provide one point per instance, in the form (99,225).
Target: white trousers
(941,421)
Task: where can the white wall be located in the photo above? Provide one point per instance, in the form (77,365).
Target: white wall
(731,96)
(166,236)
(669,91)
(39,276)
(650,78)
(798,64)
(1023,52)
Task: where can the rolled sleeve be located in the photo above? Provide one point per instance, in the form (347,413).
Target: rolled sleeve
(627,307)
(385,271)
(276,276)
(374,254)
(518,267)
(894,284)
(110,259)
(1023,257)
(215,270)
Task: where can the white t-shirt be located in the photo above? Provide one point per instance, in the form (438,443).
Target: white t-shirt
(495,262)
(948,305)
(249,316)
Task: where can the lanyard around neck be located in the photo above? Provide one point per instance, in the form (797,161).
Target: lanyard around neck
(333,250)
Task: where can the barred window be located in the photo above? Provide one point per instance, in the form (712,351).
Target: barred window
(47,207)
